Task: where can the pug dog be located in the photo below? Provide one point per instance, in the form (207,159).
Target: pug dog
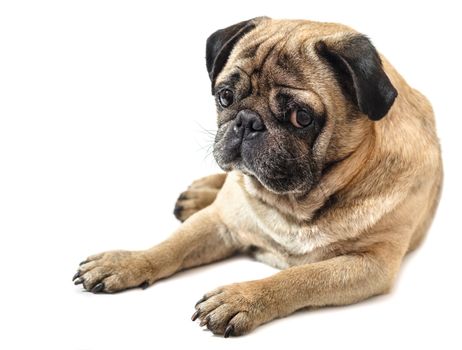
(333,174)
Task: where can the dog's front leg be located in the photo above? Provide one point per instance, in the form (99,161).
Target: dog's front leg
(238,308)
(200,240)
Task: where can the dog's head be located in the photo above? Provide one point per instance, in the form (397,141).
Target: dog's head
(293,97)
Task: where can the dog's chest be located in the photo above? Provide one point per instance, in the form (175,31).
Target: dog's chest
(277,241)
(292,239)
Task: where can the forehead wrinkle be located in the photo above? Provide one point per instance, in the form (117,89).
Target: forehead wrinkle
(289,37)
(273,74)
(262,57)
(250,52)
(253,42)
(243,71)
(288,40)
(281,46)
(267,68)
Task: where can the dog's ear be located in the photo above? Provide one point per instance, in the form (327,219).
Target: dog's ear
(359,70)
(221,43)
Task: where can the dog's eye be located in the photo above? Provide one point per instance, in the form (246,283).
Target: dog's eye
(225,98)
(300,118)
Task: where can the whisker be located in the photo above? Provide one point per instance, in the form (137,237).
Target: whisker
(206,131)
(207,141)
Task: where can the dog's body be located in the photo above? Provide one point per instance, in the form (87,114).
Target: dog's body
(331,194)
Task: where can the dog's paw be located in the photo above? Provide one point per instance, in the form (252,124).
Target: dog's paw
(200,194)
(114,271)
(233,310)
(193,200)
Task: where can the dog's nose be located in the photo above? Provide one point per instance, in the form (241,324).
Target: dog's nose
(248,124)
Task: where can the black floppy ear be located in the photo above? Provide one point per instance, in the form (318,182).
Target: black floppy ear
(221,43)
(359,70)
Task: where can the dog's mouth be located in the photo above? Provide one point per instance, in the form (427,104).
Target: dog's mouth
(275,178)
(278,167)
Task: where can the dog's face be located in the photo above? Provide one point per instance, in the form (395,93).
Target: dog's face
(292,97)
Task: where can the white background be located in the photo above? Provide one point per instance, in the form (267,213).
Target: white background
(103,107)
